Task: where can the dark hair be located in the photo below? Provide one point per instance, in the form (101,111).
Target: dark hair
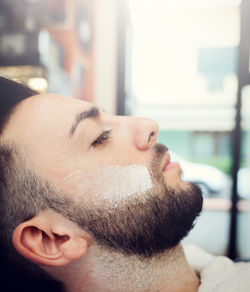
(21,197)
(11,94)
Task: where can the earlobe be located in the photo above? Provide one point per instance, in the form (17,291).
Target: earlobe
(49,241)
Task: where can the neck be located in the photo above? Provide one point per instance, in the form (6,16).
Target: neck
(103,270)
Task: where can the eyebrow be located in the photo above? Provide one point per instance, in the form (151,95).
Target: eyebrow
(91,113)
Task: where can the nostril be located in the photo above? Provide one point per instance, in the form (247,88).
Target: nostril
(152,134)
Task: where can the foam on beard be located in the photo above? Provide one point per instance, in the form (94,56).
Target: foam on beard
(113,183)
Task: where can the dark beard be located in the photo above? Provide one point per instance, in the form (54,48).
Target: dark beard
(143,227)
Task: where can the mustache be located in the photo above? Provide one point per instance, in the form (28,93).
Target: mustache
(159,149)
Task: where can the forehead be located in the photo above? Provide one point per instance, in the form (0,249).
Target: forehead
(41,124)
(50,104)
(40,111)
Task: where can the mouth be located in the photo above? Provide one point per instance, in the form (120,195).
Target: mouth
(168,165)
(166,161)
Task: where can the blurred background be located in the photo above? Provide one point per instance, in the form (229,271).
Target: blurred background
(183,63)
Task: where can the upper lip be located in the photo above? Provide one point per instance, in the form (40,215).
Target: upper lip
(166,161)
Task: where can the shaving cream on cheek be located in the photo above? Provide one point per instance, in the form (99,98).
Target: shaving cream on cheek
(114,183)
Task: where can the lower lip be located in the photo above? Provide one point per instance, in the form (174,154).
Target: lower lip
(172,165)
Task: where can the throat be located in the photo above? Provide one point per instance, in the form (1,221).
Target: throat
(168,272)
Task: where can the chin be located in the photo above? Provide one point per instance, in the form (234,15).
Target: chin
(173,178)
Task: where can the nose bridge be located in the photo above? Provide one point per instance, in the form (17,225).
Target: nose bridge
(146,133)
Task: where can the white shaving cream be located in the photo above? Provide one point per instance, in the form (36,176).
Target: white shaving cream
(113,183)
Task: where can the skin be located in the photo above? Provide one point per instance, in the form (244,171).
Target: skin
(41,124)
(45,132)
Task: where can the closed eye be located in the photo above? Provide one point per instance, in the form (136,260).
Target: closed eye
(104,137)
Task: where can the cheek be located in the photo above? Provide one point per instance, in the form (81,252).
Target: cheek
(112,184)
(105,156)
(120,155)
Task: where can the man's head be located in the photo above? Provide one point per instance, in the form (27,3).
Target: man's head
(71,175)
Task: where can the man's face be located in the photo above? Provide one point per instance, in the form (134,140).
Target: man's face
(45,125)
(108,165)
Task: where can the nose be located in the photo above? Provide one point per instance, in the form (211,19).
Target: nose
(146,133)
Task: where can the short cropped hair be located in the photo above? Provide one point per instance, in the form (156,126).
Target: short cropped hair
(11,94)
(22,193)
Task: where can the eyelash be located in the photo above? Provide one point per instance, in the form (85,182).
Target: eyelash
(105,136)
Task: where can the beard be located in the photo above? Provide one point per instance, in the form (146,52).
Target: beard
(143,225)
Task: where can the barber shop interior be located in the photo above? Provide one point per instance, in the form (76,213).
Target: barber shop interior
(167,78)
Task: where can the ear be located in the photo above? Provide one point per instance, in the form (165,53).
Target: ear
(50,239)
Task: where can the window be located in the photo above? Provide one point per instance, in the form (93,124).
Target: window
(183,73)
